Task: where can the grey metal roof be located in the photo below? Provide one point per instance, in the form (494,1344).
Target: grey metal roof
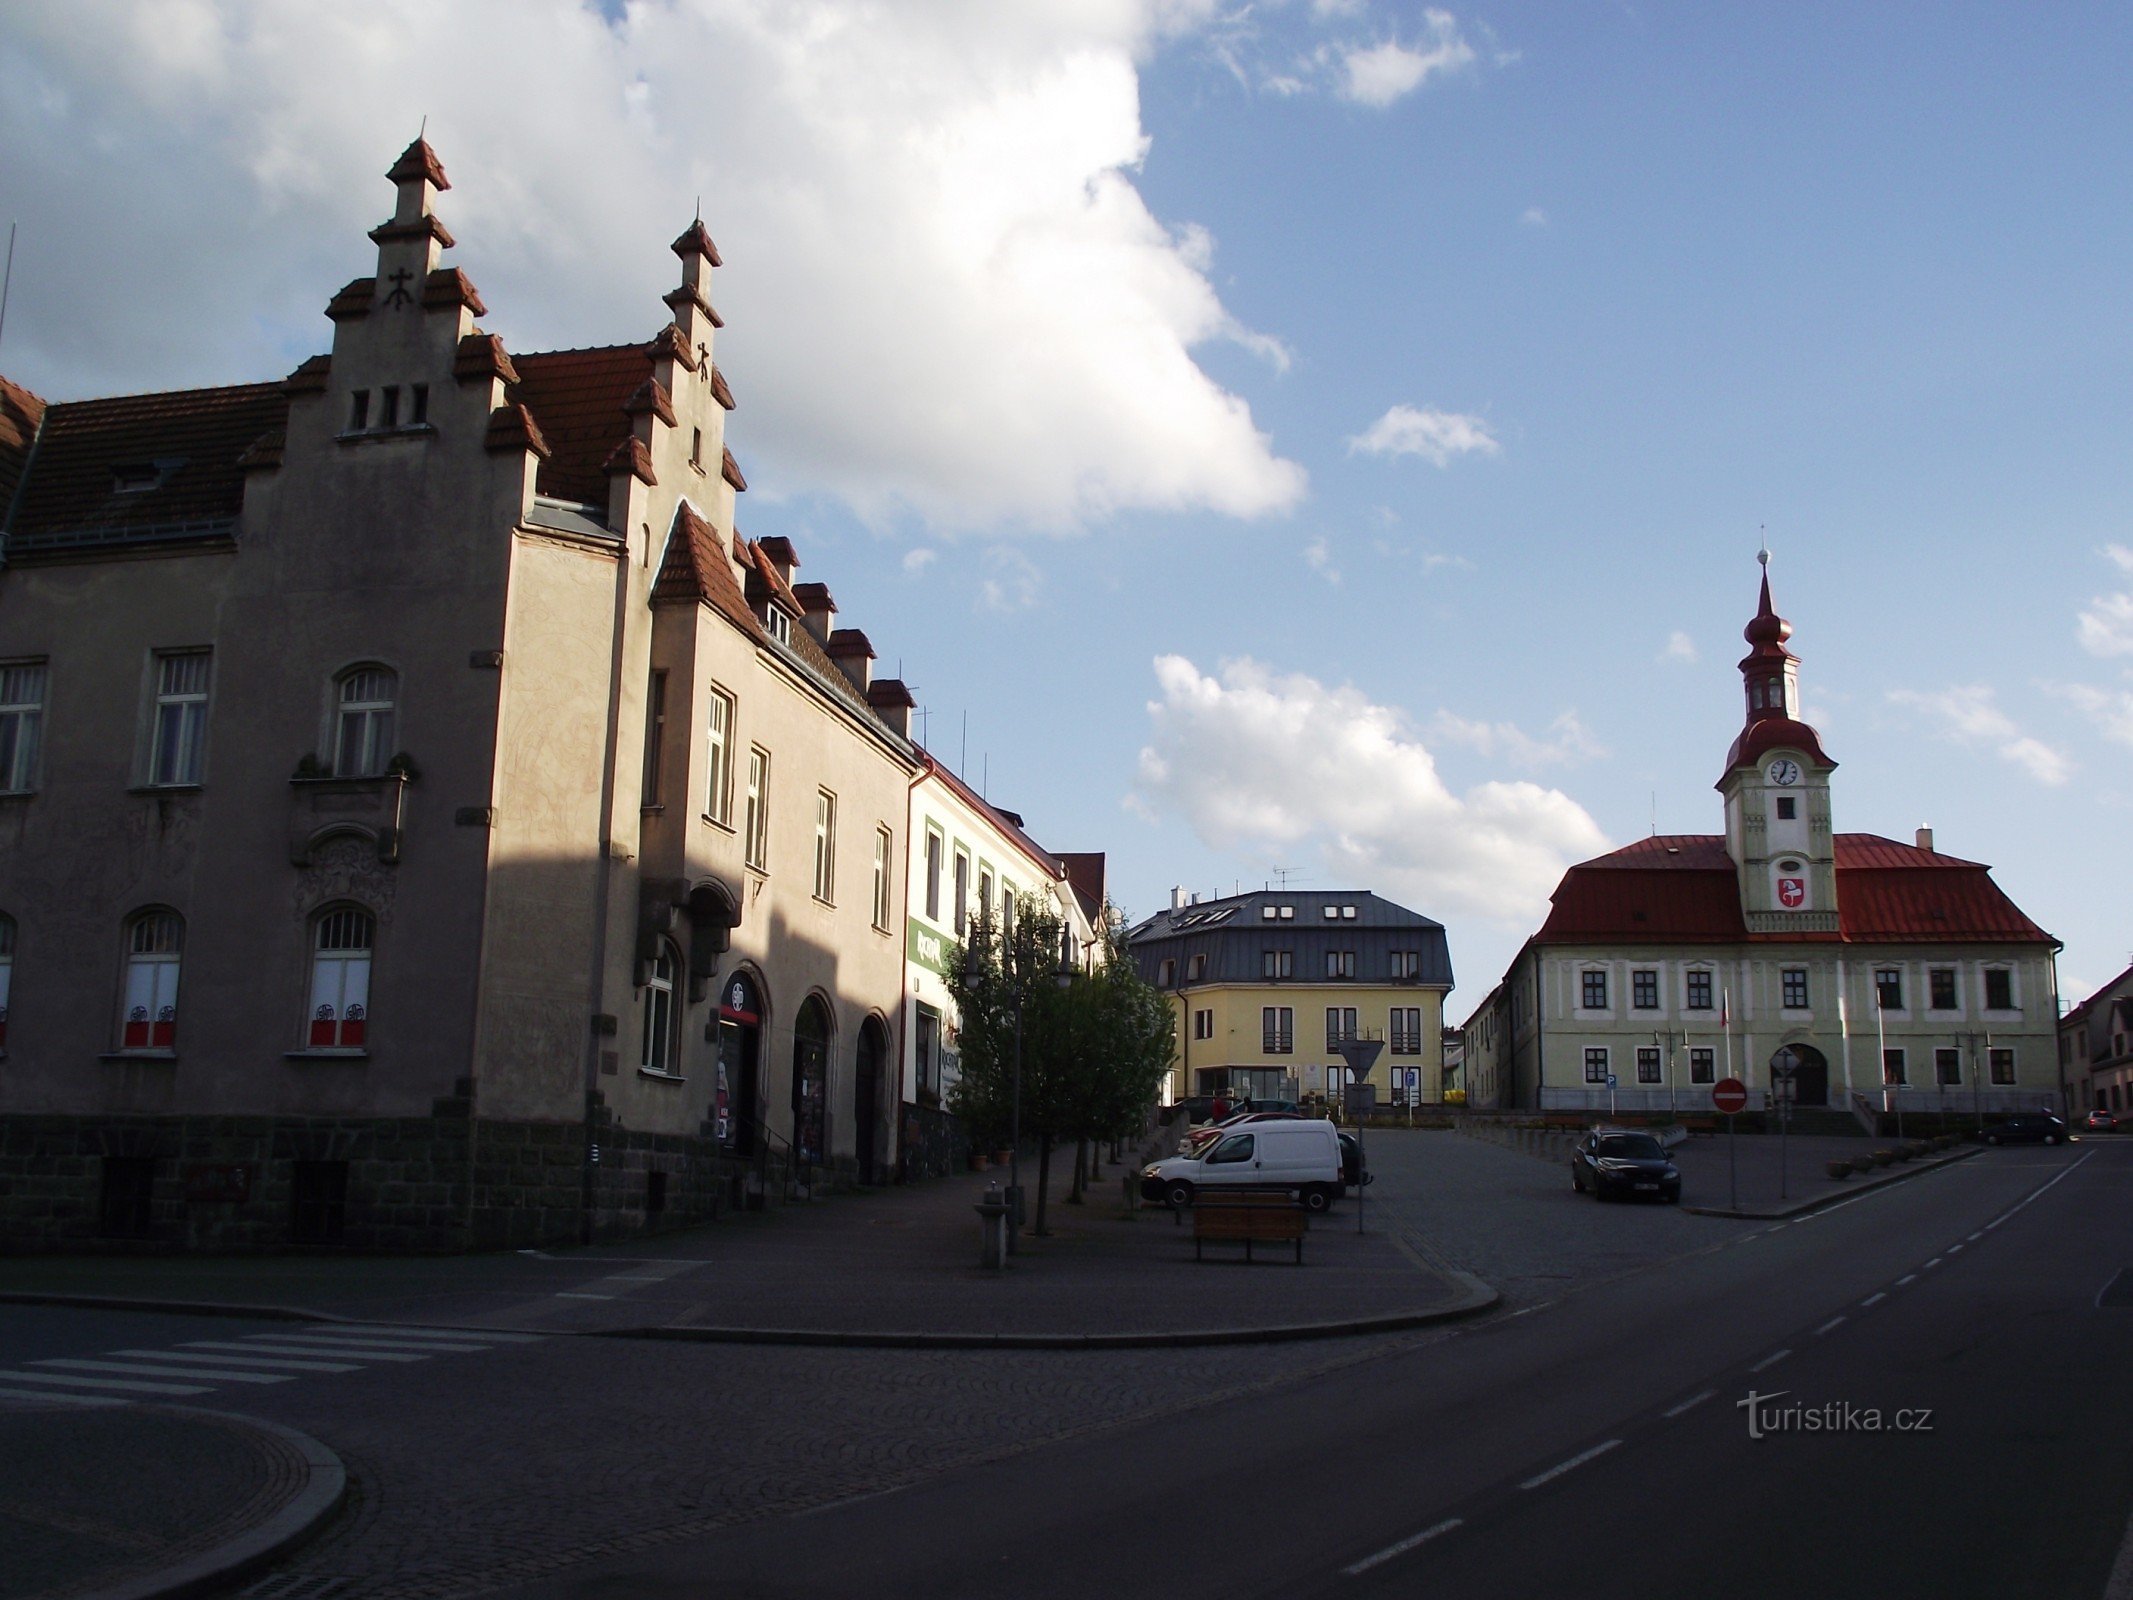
(1233,933)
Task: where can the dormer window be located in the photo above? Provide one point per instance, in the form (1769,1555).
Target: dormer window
(779,623)
(135,477)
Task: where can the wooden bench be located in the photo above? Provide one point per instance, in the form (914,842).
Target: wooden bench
(1252,1218)
(1707,1127)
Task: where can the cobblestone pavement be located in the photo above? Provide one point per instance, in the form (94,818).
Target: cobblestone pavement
(92,1495)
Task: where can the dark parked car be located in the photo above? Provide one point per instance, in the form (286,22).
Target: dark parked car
(2027,1127)
(2100,1122)
(1612,1163)
(1352,1174)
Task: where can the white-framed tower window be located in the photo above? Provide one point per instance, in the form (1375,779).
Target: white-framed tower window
(758,818)
(659,1018)
(22,686)
(718,758)
(825,846)
(339,1016)
(883,845)
(177,756)
(363,721)
(155,944)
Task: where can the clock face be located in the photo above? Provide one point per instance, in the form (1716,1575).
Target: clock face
(1784,770)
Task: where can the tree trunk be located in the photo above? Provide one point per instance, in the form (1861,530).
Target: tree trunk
(1044,1182)
(1081,1170)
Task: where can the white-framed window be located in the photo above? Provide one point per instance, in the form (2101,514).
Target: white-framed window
(1696,989)
(1893,1069)
(1948,1066)
(1794,988)
(1406,1031)
(1941,990)
(1592,989)
(1407,963)
(363,722)
(1279,963)
(1999,989)
(7,971)
(148,1015)
(962,893)
(933,875)
(883,844)
(984,892)
(1703,1065)
(1340,1026)
(177,754)
(1277,1030)
(1647,1063)
(779,624)
(1196,966)
(339,1017)
(1203,1024)
(718,757)
(1644,989)
(1888,988)
(22,686)
(1596,1064)
(1007,913)
(659,1017)
(825,846)
(1340,963)
(757,821)
(1166,973)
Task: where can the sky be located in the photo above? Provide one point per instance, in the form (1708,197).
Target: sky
(1323,443)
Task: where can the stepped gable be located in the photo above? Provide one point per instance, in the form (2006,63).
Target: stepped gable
(20,414)
(193,439)
(1684,888)
(578,397)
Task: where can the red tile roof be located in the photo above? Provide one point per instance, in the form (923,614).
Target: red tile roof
(1048,863)
(448,287)
(1684,889)
(20,413)
(418,160)
(578,398)
(696,569)
(1769,734)
(195,437)
(697,241)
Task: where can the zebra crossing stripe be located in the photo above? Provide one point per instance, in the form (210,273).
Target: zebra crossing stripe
(363,1341)
(193,1353)
(136,1387)
(312,1350)
(393,1330)
(141,1369)
(60,1398)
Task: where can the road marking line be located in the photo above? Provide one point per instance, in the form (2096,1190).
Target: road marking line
(1836,1321)
(635,1277)
(1401,1548)
(191,1354)
(104,1383)
(1690,1404)
(1953,1250)
(565,1294)
(1562,1467)
(1906,1280)
(1930,1265)
(1873,1299)
(2036,1193)
(1769,1361)
(1977,1236)
(362,1342)
(390,1330)
(318,1350)
(141,1369)
(58,1398)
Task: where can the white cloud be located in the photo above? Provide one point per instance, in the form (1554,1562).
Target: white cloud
(1012,582)
(1379,74)
(2106,627)
(1967,714)
(919,559)
(1228,753)
(1567,742)
(1436,436)
(1679,647)
(1534,217)
(945,296)
(2110,709)
(1320,557)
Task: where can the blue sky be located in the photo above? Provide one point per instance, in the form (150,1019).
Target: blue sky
(1326,436)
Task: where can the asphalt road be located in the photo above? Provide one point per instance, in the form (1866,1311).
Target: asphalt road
(1592,1445)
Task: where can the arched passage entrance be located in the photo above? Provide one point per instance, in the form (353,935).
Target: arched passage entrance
(737,1107)
(869,1091)
(1810,1073)
(810,1082)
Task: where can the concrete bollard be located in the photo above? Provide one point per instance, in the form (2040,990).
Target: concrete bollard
(992,1228)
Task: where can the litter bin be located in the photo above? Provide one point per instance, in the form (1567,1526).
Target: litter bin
(992,1228)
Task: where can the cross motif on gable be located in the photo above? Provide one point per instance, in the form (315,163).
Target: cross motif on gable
(703,362)
(399,295)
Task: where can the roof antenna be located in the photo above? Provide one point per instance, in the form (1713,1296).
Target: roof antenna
(1284,874)
(7,280)
(423,132)
(699,208)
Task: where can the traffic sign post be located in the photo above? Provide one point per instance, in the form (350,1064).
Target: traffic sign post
(1783,1066)
(1611,1097)
(1730,1095)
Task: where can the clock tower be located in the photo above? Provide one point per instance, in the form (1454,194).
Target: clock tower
(1776,791)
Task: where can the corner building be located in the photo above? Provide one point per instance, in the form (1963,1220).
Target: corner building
(1880,973)
(429,823)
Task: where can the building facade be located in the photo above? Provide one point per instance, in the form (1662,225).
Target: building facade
(2096,1049)
(429,822)
(1847,970)
(1266,986)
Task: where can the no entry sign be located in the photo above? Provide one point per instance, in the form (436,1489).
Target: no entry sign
(1729,1095)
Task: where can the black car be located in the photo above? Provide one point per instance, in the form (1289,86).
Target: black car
(2027,1127)
(1612,1164)
(1352,1174)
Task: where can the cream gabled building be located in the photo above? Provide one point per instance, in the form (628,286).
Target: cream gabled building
(1879,972)
(428,821)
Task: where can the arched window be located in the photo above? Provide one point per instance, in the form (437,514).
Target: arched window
(659,1018)
(340,979)
(155,940)
(363,728)
(7,968)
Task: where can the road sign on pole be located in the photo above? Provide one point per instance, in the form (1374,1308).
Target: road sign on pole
(1729,1095)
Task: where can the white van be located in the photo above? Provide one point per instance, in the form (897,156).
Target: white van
(1299,1158)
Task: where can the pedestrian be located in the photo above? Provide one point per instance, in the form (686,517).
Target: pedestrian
(1245,1105)
(1220,1112)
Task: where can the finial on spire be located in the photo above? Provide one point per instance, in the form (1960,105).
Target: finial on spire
(1763,555)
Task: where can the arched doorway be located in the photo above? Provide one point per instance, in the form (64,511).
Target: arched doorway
(1810,1073)
(736,1109)
(869,1082)
(810,1083)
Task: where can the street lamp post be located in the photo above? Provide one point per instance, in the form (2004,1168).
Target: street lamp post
(1018,989)
(1669,1040)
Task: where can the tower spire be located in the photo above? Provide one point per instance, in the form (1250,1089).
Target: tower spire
(1769,671)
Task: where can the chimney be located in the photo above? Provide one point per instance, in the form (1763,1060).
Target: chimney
(892,703)
(1925,840)
(848,647)
(816,609)
(779,549)
(1196,897)
(1177,898)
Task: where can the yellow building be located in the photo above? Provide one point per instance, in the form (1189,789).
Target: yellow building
(1266,986)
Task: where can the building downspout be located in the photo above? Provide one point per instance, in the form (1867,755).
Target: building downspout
(604,883)
(903,981)
(1540,1056)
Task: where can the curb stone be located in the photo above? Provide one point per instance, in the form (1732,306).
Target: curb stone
(1799,1208)
(214,1571)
